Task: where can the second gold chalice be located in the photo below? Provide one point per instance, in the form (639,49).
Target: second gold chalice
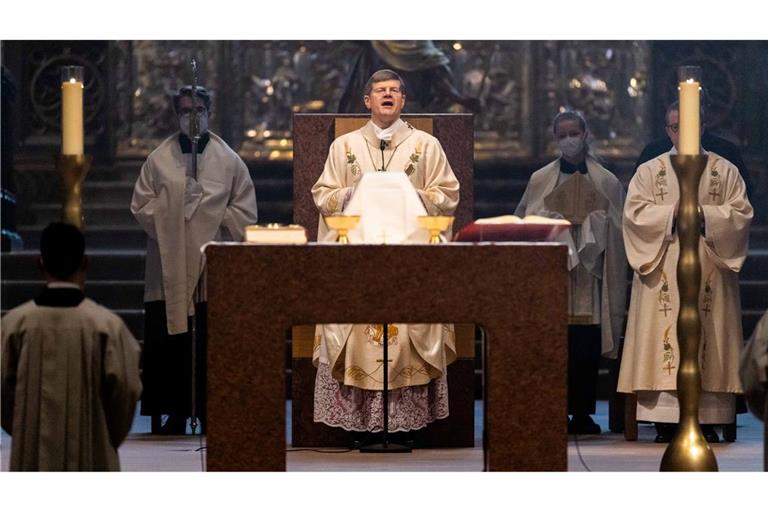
(435,224)
(342,224)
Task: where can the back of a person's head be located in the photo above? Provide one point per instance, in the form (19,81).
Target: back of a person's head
(62,247)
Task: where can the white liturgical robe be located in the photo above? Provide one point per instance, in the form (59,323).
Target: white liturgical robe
(418,180)
(651,355)
(410,151)
(425,184)
(596,257)
(181,214)
(70,382)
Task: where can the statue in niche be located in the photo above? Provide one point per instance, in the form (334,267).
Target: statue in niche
(423,66)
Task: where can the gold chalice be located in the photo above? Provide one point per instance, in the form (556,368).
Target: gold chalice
(342,224)
(435,224)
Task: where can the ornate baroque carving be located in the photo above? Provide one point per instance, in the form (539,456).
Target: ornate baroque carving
(267,81)
(606,81)
(44,63)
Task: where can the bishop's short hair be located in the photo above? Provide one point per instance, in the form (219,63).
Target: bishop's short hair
(383,75)
(189,91)
(62,247)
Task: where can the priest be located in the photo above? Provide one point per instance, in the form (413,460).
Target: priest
(70,369)
(651,355)
(181,209)
(596,261)
(349,381)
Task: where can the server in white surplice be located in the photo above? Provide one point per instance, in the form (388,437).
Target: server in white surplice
(596,259)
(181,213)
(70,369)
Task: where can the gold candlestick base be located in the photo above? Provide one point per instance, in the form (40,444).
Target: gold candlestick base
(342,224)
(689,451)
(435,224)
(73,169)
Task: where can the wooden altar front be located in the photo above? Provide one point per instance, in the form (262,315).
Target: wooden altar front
(516,292)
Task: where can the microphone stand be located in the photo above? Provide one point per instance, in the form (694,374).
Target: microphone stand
(385,446)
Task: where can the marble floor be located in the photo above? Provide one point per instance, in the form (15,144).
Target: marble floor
(606,452)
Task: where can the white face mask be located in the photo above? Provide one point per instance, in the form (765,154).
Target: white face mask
(184,123)
(571,147)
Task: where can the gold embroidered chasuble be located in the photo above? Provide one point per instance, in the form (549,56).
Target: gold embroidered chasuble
(418,353)
(651,355)
(414,152)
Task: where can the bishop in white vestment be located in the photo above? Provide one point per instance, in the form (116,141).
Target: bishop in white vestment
(349,379)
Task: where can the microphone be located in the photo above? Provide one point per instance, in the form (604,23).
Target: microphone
(382,145)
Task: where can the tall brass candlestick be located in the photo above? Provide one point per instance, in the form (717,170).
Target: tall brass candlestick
(72,164)
(73,169)
(689,451)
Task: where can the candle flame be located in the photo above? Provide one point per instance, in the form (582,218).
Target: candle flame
(72,81)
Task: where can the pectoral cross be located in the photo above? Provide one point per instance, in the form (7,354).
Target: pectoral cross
(665,309)
(669,367)
(706,309)
(661,193)
(714,195)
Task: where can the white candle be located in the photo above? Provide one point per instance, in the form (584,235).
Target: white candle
(72,117)
(690,131)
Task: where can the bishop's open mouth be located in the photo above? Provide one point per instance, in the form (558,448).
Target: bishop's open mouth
(387,103)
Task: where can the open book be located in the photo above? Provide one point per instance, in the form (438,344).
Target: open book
(275,234)
(511,228)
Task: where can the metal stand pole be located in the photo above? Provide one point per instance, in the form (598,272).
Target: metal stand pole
(385,446)
(689,451)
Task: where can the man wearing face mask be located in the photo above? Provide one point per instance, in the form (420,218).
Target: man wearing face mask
(181,210)
(651,355)
(596,261)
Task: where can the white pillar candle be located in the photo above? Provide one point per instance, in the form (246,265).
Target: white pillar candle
(690,122)
(72,117)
